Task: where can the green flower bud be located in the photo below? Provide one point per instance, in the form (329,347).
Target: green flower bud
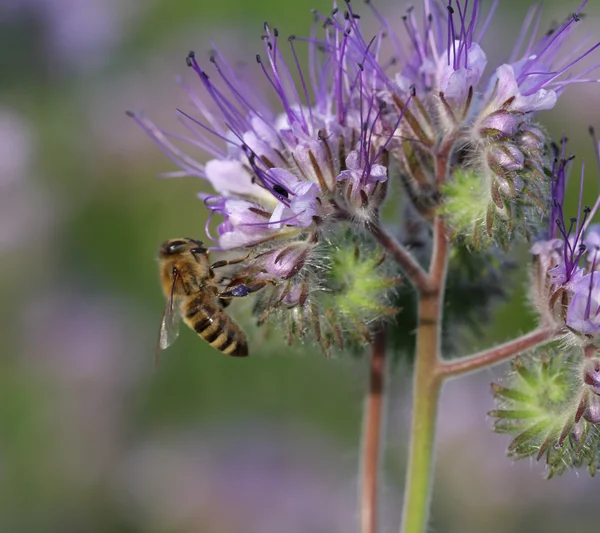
(499,187)
(358,285)
(553,413)
(342,287)
(466,203)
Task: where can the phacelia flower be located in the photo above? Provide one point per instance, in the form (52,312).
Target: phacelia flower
(566,281)
(473,119)
(286,178)
(550,402)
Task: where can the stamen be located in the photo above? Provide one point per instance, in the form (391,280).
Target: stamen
(291,39)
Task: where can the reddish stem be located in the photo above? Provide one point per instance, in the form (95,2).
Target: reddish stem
(496,355)
(372,435)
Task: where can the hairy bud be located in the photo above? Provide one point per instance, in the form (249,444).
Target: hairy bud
(549,403)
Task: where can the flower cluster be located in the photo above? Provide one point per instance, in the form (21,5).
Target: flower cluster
(566,281)
(289,183)
(284,179)
(495,150)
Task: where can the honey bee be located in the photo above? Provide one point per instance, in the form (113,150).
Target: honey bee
(192,292)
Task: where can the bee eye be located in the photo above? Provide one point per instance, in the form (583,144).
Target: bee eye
(175,246)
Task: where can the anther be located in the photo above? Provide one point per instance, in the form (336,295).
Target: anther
(576,17)
(258,60)
(280,190)
(451,10)
(276,32)
(189,58)
(291,38)
(213,60)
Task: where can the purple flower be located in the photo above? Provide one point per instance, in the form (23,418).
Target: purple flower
(488,119)
(566,261)
(276,173)
(583,315)
(444,55)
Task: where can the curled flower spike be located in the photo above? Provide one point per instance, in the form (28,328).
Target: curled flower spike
(566,284)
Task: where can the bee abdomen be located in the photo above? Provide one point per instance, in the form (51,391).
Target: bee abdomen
(217,328)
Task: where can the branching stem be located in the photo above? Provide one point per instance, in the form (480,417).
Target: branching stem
(430,370)
(409,265)
(497,354)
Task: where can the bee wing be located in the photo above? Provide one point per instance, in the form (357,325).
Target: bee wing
(169,327)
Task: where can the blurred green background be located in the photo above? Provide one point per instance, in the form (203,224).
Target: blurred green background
(91,438)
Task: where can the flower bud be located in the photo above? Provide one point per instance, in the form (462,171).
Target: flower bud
(550,410)
(591,375)
(531,139)
(327,289)
(501,123)
(505,158)
(285,262)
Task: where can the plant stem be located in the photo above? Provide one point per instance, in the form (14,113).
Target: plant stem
(410,267)
(427,382)
(496,355)
(372,434)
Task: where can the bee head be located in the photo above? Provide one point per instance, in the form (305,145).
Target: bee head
(174,247)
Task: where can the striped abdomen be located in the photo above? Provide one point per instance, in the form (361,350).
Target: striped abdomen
(206,317)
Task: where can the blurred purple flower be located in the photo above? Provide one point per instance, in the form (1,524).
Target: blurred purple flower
(240,478)
(78,34)
(26,209)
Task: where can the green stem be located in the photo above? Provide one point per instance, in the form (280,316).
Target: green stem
(427,383)
(426,389)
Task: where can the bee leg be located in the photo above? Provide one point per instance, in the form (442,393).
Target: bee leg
(224,302)
(226,262)
(239,291)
